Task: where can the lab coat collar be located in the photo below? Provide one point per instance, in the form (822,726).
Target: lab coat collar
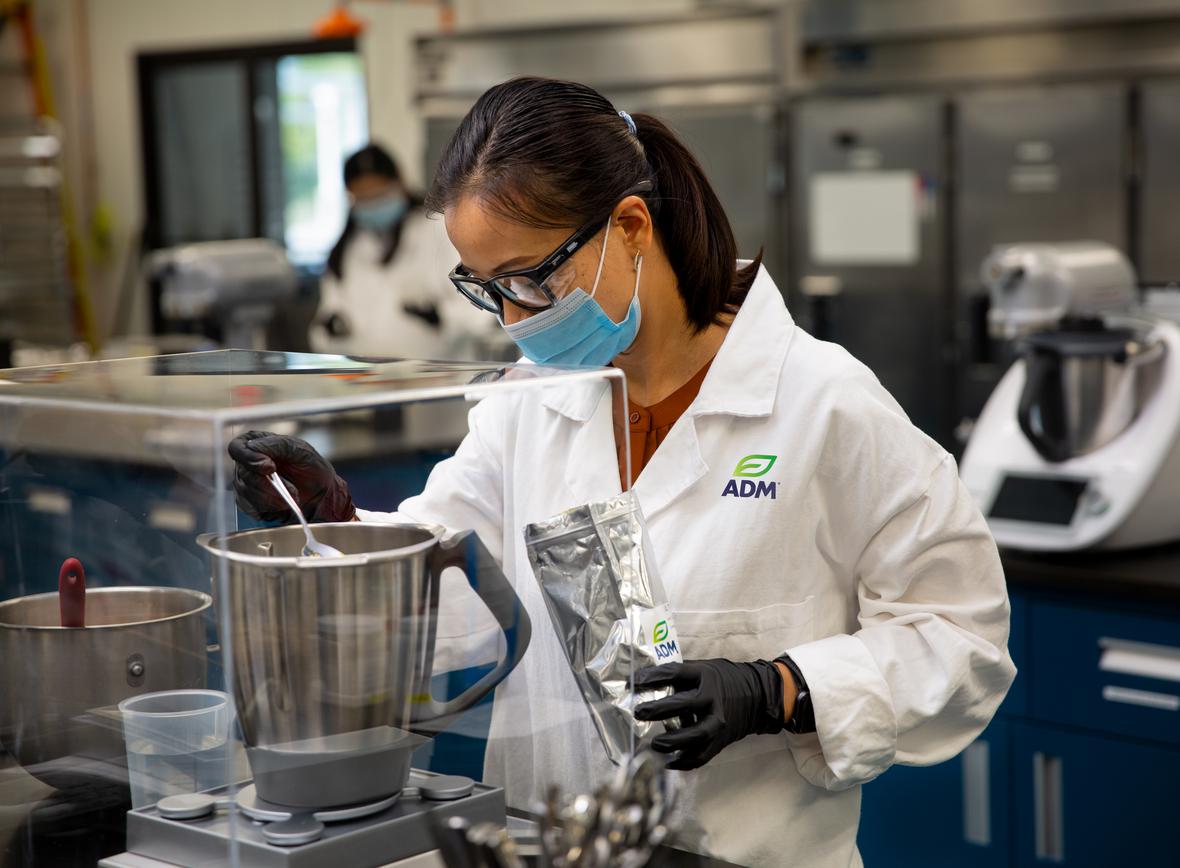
(743,379)
(745,375)
(577,401)
(593,475)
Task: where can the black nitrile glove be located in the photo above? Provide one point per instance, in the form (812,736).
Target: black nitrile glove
(320,493)
(718,702)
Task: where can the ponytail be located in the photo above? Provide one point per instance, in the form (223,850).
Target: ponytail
(693,229)
(556,154)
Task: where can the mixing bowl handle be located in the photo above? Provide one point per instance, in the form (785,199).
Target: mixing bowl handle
(467,552)
(1042,386)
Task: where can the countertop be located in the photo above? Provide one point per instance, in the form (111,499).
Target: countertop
(1140,575)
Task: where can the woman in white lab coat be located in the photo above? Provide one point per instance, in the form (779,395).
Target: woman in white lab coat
(839,600)
(384,291)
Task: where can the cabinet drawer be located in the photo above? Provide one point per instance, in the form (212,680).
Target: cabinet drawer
(954,813)
(1091,801)
(1107,671)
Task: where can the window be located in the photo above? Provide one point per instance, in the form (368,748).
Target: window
(322,120)
(250,141)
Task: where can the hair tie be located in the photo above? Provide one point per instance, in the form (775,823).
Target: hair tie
(630,123)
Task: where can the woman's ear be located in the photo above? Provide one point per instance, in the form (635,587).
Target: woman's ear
(638,227)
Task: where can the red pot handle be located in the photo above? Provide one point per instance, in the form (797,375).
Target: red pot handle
(71,593)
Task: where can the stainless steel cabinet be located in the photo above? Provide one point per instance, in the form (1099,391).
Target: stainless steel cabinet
(868,230)
(438,134)
(736,146)
(1033,164)
(1159,197)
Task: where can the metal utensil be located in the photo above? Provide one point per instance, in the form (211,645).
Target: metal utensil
(451,837)
(312,548)
(620,825)
(506,848)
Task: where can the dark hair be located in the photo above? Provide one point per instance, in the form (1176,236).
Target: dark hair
(372,159)
(556,154)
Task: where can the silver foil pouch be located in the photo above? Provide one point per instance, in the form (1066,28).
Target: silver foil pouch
(609,609)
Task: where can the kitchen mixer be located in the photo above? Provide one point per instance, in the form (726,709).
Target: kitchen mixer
(1079,444)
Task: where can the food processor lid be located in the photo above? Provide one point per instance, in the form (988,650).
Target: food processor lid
(1085,343)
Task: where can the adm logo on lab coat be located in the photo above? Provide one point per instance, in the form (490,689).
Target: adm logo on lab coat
(748,469)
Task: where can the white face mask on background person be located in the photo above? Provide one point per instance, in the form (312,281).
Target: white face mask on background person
(381,215)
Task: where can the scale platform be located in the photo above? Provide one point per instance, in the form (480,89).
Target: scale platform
(399,831)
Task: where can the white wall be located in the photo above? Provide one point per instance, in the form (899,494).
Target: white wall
(104,155)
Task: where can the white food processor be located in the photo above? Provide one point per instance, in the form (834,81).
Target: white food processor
(1078,447)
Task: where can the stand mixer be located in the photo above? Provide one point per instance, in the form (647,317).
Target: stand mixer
(1079,445)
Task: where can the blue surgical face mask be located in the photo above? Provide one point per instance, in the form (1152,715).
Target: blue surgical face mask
(576,330)
(382,214)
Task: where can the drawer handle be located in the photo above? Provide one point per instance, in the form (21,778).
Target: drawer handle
(1047,795)
(1144,698)
(1140,658)
(977,821)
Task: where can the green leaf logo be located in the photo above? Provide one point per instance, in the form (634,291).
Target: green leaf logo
(755,465)
(660,633)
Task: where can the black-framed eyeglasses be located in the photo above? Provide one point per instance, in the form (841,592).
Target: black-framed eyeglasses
(526,287)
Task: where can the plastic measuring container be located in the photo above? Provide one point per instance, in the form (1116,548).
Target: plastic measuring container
(177,742)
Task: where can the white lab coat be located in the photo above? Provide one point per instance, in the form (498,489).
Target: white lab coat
(871,566)
(371,298)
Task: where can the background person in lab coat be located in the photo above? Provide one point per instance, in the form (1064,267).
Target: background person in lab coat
(851,616)
(384,291)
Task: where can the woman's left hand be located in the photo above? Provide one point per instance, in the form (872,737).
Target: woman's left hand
(718,702)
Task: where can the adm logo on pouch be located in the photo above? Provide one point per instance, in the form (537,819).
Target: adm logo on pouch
(657,624)
(665,645)
(748,469)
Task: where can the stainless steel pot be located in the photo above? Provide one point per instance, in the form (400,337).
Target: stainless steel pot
(332,657)
(60,684)
(1082,388)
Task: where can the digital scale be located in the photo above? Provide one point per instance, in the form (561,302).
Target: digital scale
(206,829)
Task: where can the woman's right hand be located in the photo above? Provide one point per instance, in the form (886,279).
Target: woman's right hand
(311,479)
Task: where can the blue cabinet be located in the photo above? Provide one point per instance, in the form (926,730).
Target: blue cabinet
(1083,800)
(1107,670)
(1079,767)
(953,813)
(956,812)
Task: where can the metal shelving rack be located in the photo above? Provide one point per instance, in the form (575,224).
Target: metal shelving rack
(44,300)
(36,293)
